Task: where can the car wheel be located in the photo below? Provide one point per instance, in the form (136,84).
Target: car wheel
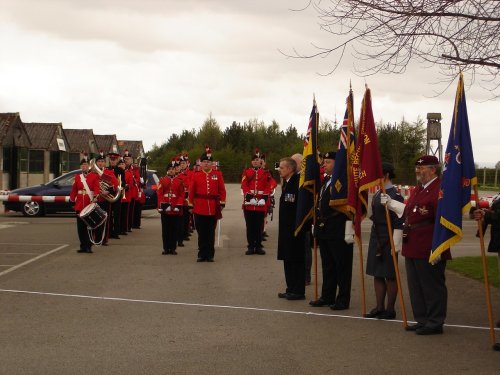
(32,209)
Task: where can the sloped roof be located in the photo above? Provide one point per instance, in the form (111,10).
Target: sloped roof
(105,142)
(81,140)
(44,135)
(134,147)
(11,123)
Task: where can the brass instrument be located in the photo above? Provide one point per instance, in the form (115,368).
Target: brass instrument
(106,184)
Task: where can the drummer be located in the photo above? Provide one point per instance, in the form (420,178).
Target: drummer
(84,190)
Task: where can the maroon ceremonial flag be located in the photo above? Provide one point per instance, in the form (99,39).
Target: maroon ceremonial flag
(366,166)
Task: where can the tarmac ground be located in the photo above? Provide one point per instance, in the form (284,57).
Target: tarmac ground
(127,309)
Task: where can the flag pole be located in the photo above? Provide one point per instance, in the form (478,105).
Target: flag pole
(395,261)
(362,274)
(315,204)
(485,272)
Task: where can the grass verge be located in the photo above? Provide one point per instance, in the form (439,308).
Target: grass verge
(472,267)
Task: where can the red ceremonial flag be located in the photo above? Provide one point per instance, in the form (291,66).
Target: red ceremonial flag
(366,166)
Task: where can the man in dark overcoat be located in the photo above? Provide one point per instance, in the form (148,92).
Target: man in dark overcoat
(290,248)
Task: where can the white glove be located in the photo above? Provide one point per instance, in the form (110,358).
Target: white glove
(261,202)
(160,210)
(176,209)
(395,206)
(168,209)
(398,240)
(142,180)
(349,233)
(437,260)
(253,202)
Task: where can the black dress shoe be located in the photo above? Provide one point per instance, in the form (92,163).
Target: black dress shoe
(249,252)
(319,302)
(387,315)
(413,327)
(173,252)
(295,297)
(282,295)
(424,331)
(201,260)
(497,324)
(211,260)
(497,347)
(180,244)
(374,313)
(339,306)
(260,251)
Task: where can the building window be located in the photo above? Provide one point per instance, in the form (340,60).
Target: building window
(23,160)
(74,161)
(35,161)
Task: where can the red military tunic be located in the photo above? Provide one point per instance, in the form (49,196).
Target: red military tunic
(420,214)
(128,194)
(78,192)
(134,182)
(186,179)
(256,185)
(171,191)
(207,192)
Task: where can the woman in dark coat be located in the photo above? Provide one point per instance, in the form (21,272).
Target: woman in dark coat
(290,248)
(379,263)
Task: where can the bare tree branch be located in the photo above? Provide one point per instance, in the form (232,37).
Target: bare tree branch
(384,36)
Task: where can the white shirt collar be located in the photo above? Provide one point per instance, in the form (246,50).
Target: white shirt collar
(430,182)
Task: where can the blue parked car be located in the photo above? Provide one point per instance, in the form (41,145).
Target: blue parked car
(61,186)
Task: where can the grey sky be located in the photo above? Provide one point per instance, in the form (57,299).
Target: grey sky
(145,69)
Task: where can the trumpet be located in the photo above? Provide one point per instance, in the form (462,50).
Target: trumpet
(106,184)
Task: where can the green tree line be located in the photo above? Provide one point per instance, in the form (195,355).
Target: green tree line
(400,143)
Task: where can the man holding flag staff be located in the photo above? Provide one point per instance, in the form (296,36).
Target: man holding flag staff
(426,281)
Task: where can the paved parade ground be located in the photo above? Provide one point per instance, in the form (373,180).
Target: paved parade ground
(127,309)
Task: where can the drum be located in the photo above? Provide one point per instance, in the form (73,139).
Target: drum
(93,215)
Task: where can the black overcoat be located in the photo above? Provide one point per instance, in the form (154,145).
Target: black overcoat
(290,248)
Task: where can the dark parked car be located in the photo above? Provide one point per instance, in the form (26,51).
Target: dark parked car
(61,186)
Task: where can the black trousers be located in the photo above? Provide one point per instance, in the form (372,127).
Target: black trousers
(185,222)
(130,214)
(83,234)
(205,226)
(180,227)
(428,292)
(336,264)
(329,287)
(308,264)
(255,223)
(295,276)
(114,218)
(169,224)
(137,215)
(124,217)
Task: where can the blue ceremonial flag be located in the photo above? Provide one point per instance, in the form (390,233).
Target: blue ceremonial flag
(309,174)
(343,158)
(459,176)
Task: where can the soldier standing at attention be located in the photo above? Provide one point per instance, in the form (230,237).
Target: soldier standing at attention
(290,248)
(256,188)
(84,189)
(116,206)
(170,199)
(207,198)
